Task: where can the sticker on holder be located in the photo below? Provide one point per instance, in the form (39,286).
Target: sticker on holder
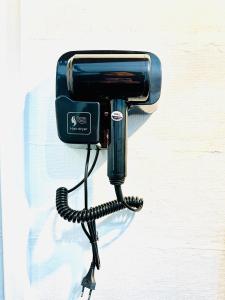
(79,123)
(116,115)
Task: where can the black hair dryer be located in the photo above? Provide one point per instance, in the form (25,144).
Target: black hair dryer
(94,92)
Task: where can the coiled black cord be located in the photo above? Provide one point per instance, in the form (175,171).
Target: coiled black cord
(93,213)
(89,215)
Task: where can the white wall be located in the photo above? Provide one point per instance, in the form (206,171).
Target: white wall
(174,248)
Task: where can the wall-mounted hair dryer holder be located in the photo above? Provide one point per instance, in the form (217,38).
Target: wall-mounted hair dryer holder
(95,90)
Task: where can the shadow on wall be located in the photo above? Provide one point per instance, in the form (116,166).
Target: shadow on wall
(52,242)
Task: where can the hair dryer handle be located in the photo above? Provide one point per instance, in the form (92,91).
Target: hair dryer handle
(117,142)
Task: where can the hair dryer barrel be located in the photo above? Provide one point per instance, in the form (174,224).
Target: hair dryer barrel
(109,76)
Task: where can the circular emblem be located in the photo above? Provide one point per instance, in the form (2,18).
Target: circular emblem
(116,115)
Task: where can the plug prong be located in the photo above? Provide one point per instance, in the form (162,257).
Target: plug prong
(82,292)
(89,296)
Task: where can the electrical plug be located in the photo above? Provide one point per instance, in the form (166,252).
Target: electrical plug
(89,281)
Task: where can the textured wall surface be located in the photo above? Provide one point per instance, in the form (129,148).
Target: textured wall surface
(175,248)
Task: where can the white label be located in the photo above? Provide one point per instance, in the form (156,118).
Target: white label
(116,115)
